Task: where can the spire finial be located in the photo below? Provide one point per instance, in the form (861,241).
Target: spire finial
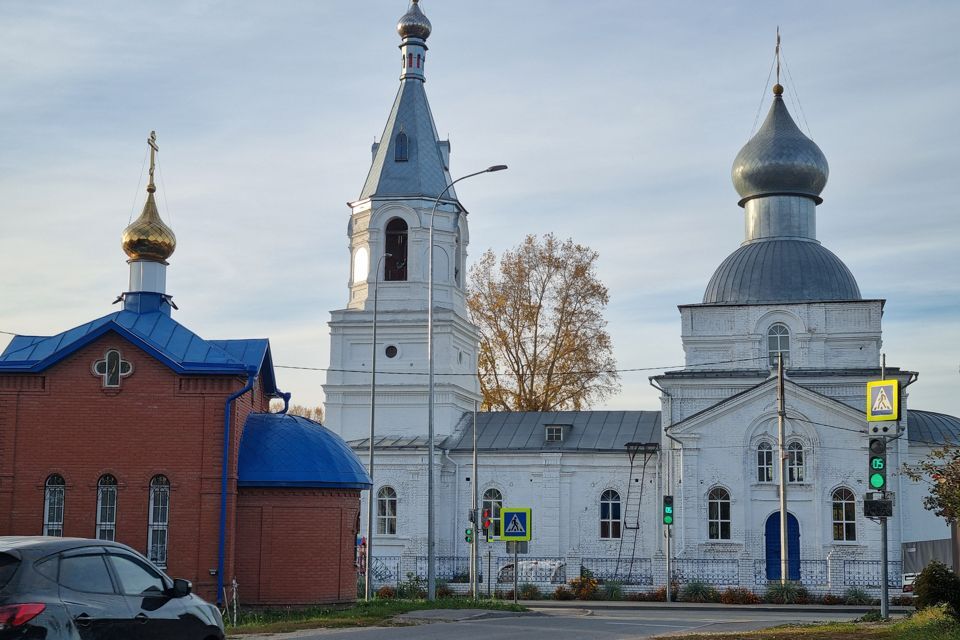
(778,88)
(152,141)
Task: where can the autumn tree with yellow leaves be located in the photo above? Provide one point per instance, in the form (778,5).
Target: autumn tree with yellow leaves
(543,339)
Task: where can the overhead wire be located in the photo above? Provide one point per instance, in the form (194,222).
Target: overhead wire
(136,194)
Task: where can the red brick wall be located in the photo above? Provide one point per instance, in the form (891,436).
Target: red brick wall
(63,421)
(296,546)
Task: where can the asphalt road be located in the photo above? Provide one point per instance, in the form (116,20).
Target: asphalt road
(576,624)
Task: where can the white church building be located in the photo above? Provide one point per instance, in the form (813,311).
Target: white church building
(713,446)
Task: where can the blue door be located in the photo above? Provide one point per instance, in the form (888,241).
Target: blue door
(773,547)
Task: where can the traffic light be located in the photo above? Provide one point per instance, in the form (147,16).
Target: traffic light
(877,468)
(468,534)
(487,522)
(668,510)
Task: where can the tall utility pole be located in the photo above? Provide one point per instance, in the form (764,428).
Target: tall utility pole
(781,414)
(884,588)
(474,545)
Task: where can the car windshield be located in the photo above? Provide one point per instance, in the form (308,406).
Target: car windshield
(8,566)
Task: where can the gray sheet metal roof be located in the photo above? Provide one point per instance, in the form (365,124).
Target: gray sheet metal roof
(584,430)
(779,271)
(423,173)
(928,427)
(391,442)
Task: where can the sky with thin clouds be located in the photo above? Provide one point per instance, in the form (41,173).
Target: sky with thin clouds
(619,121)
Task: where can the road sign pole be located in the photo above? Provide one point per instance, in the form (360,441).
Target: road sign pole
(666,531)
(516,569)
(884,588)
(489,575)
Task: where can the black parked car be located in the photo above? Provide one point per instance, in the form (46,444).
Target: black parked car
(77,589)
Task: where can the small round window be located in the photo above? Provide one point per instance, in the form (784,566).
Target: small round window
(391,351)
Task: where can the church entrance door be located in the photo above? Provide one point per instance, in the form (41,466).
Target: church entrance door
(772,533)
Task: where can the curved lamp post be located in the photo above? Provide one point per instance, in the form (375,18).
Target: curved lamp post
(431,552)
(373,410)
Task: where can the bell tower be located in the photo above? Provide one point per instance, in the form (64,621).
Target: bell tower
(388,235)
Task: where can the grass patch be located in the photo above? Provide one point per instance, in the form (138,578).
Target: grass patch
(930,624)
(363,614)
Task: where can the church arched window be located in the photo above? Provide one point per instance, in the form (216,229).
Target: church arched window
(844,515)
(610,518)
(764,462)
(107,508)
(795,462)
(493,500)
(387,511)
(778,343)
(54,491)
(395,266)
(400,151)
(158,519)
(718,514)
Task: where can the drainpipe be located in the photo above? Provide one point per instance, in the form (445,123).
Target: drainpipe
(251,376)
(456,497)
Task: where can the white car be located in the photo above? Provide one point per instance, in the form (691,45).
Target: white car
(908,579)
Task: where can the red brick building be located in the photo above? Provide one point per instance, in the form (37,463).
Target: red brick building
(133,428)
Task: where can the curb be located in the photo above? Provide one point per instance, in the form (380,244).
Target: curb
(692,606)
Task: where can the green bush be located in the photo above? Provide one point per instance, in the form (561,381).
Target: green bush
(412,588)
(612,590)
(855,595)
(529,591)
(698,592)
(937,584)
(786,593)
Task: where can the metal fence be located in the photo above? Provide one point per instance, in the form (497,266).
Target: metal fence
(868,573)
(813,573)
(631,571)
(707,570)
(817,574)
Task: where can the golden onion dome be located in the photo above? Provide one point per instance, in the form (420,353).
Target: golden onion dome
(148,237)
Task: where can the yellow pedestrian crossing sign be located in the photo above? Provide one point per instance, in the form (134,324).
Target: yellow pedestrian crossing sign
(515,524)
(883,400)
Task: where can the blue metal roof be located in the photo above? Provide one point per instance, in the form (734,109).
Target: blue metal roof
(281,450)
(156,333)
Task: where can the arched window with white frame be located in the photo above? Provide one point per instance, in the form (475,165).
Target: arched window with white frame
(107,508)
(795,462)
(844,515)
(54,496)
(611,520)
(493,500)
(764,462)
(387,511)
(718,514)
(778,343)
(158,520)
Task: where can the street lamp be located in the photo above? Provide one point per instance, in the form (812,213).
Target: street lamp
(431,552)
(373,410)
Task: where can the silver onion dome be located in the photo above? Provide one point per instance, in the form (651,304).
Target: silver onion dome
(413,24)
(779,159)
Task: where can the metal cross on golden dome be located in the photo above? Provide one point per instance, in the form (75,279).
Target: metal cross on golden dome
(152,141)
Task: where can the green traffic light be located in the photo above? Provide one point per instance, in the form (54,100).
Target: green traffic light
(877,480)
(667,519)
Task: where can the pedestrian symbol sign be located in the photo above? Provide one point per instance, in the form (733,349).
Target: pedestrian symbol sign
(883,400)
(515,524)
